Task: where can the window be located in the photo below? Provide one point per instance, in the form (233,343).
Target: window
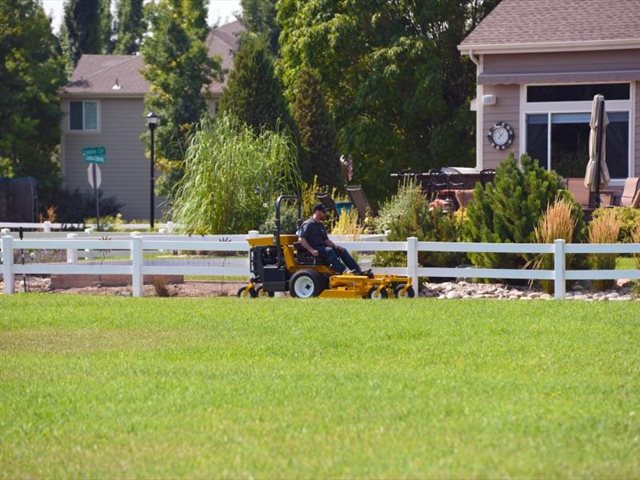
(556,120)
(577,93)
(83,115)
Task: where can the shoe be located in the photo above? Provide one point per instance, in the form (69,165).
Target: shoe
(365,273)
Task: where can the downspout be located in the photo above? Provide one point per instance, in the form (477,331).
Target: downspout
(479,112)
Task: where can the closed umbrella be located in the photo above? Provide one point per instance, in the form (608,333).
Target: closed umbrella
(597,166)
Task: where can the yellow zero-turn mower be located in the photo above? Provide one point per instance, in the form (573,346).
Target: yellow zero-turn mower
(281,264)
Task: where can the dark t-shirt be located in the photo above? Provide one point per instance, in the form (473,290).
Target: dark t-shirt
(314,233)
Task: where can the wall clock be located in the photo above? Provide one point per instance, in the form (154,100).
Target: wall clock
(500,135)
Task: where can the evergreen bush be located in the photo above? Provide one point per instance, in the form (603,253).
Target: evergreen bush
(508,209)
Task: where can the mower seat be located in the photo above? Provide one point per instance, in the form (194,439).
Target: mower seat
(304,257)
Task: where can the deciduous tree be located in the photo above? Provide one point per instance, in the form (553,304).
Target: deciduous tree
(31,72)
(395,83)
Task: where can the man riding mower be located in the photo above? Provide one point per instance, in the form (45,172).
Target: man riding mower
(284,263)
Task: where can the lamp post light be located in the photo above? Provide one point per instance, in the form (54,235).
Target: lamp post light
(152,123)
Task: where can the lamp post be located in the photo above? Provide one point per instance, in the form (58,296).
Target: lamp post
(152,122)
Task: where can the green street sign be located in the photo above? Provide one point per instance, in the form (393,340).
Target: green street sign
(94,154)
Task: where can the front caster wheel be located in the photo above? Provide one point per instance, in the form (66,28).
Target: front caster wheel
(377,294)
(402,291)
(247,292)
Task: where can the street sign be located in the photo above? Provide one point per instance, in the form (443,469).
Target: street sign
(94,154)
(97,176)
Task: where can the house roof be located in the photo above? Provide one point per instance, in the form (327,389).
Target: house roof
(120,75)
(223,42)
(518,26)
(103,74)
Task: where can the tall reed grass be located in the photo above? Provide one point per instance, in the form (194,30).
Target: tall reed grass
(603,229)
(232,177)
(556,223)
(635,238)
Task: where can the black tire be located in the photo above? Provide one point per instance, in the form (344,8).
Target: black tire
(401,292)
(247,292)
(374,294)
(261,292)
(306,284)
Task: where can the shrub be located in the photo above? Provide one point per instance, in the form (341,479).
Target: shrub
(73,206)
(508,209)
(603,229)
(628,217)
(233,176)
(347,224)
(407,214)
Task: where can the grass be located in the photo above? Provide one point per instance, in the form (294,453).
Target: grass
(117,387)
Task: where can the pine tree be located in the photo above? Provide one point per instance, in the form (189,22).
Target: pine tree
(178,68)
(254,93)
(317,137)
(82,25)
(105,24)
(259,16)
(508,209)
(130,27)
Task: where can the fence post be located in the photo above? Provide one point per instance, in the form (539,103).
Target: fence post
(412,262)
(137,279)
(46,226)
(170,227)
(7,264)
(72,253)
(559,266)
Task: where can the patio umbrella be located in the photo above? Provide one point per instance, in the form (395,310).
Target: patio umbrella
(597,166)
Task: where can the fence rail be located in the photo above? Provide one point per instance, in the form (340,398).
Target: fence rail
(135,246)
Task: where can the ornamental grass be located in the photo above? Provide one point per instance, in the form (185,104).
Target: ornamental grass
(557,223)
(603,229)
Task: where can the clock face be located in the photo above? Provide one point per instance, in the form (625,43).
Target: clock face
(500,135)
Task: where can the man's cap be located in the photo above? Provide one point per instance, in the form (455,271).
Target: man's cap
(319,207)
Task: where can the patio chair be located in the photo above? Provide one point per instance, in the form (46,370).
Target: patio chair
(359,200)
(580,193)
(487,175)
(328,202)
(628,193)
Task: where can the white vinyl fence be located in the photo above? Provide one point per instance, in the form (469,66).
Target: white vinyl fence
(52,226)
(135,246)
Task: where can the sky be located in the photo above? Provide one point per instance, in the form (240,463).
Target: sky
(219,10)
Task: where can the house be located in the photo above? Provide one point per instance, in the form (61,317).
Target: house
(539,64)
(103,106)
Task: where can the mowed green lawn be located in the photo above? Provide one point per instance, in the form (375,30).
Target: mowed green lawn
(98,387)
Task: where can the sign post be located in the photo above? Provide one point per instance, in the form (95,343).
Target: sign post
(94,156)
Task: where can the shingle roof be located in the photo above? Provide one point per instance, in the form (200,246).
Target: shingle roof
(571,23)
(223,42)
(98,74)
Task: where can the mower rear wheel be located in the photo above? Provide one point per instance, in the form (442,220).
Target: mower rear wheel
(306,284)
(402,291)
(377,294)
(247,292)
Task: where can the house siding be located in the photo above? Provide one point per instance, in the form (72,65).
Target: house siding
(125,173)
(506,109)
(596,61)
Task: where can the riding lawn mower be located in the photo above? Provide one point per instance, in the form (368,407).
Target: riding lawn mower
(280,264)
